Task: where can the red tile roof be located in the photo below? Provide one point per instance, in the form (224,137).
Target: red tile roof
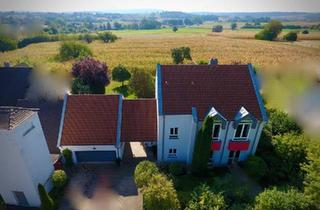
(225,87)
(139,120)
(90,120)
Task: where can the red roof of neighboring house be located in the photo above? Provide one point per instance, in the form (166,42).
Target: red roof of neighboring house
(90,120)
(139,120)
(225,87)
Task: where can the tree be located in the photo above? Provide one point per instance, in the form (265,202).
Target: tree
(305,32)
(256,167)
(218,28)
(59,179)
(87,38)
(80,87)
(142,83)
(234,26)
(160,194)
(93,73)
(202,147)
(117,26)
(7,44)
(107,37)
(204,199)
(109,26)
(2,203)
(67,155)
(72,50)
(120,73)
(149,23)
(275,199)
(291,36)
(281,123)
(179,54)
(175,29)
(143,173)
(312,177)
(46,201)
(270,31)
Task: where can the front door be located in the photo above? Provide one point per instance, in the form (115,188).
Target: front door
(20,198)
(233,156)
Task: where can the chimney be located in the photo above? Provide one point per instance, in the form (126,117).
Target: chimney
(213,61)
(7,64)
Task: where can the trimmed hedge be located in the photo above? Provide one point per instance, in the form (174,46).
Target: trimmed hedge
(59,179)
(46,201)
(67,154)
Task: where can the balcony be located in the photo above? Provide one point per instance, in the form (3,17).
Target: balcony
(215,145)
(238,145)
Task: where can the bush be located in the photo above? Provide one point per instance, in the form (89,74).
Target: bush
(7,44)
(120,73)
(160,194)
(291,36)
(59,179)
(46,201)
(179,54)
(234,26)
(202,62)
(142,83)
(202,199)
(80,87)
(176,169)
(281,123)
(175,29)
(218,28)
(73,50)
(256,167)
(276,199)
(67,154)
(143,173)
(305,32)
(107,37)
(93,73)
(270,31)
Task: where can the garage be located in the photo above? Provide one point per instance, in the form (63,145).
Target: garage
(95,156)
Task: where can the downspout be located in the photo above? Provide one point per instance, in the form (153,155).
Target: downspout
(119,123)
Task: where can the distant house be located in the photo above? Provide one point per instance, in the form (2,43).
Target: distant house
(186,94)
(24,157)
(96,127)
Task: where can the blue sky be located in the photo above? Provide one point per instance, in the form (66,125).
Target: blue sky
(174,5)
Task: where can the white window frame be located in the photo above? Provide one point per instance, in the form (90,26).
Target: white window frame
(216,138)
(174,134)
(243,126)
(172,152)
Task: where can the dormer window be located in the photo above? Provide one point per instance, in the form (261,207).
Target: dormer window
(174,132)
(242,131)
(216,131)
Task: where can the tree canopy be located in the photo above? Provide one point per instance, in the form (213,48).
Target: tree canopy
(72,50)
(270,31)
(180,54)
(120,73)
(142,83)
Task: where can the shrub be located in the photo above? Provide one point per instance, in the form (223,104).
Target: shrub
(202,198)
(46,201)
(36,39)
(281,123)
(80,87)
(88,38)
(234,26)
(176,169)
(93,73)
(67,154)
(120,73)
(218,28)
(107,37)
(175,29)
(305,32)
(59,179)
(160,194)
(202,62)
(256,167)
(72,50)
(276,199)
(179,54)
(270,31)
(142,83)
(144,171)
(202,148)
(291,36)
(7,44)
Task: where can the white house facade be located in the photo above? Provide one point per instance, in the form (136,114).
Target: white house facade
(24,157)
(186,94)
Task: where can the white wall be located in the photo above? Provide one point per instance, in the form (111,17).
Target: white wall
(24,161)
(185,141)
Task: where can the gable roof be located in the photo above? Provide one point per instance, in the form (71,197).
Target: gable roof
(227,88)
(139,120)
(14,83)
(90,120)
(11,117)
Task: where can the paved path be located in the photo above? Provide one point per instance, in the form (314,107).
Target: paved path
(243,179)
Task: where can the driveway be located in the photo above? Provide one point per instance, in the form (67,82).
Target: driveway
(104,186)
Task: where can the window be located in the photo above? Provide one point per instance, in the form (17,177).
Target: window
(242,131)
(173,133)
(216,131)
(172,152)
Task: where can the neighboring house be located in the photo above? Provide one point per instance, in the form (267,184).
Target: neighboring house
(186,94)
(24,157)
(96,127)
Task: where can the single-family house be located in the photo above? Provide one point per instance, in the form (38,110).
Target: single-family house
(24,157)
